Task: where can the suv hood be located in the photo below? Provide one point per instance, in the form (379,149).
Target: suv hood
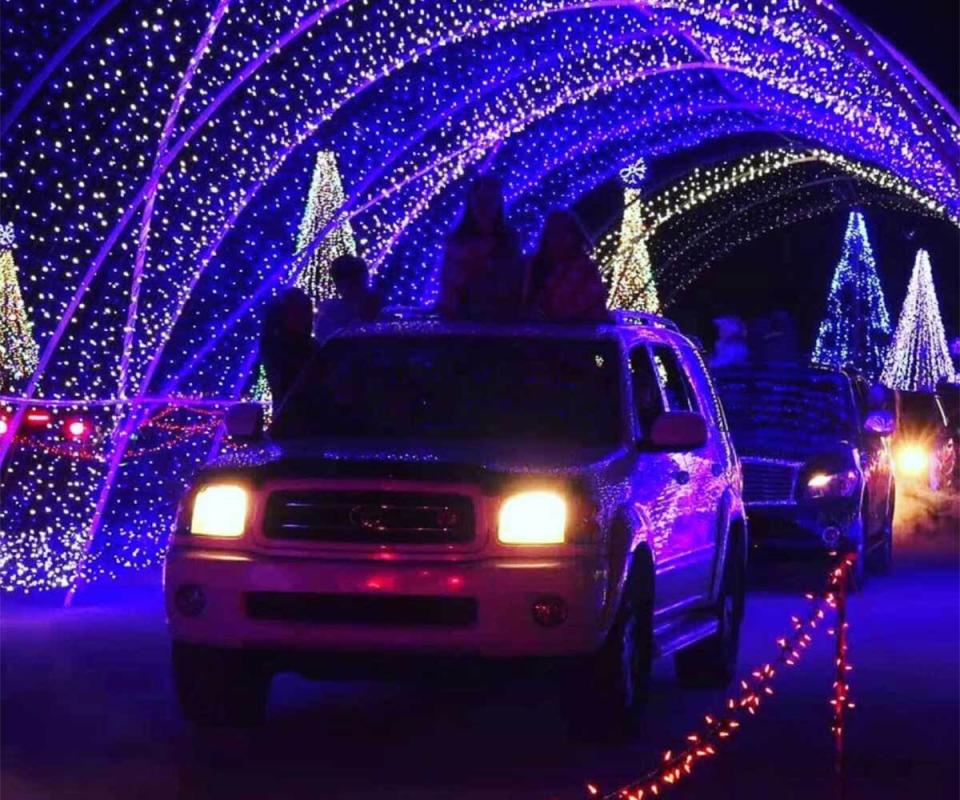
(475,461)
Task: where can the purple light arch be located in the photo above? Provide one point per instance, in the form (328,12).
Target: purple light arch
(241,119)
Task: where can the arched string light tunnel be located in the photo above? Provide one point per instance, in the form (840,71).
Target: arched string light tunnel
(155,166)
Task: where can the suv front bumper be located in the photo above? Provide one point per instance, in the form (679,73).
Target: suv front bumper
(803,527)
(226,608)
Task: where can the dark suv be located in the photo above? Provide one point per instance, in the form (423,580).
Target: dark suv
(437,491)
(816,462)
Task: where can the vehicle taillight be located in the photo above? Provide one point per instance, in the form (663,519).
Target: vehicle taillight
(37,418)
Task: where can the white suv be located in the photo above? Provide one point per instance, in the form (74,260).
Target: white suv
(435,493)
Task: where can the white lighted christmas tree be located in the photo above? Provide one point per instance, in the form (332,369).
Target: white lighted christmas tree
(856,328)
(323,201)
(18,350)
(919,357)
(632,285)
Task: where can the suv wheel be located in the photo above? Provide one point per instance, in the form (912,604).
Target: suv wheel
(712,662)
(219,687)
(618,675)
(883,556)
(857,576)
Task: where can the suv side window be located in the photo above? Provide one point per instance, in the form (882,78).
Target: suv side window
(677,392)
(709,390)
(646,389)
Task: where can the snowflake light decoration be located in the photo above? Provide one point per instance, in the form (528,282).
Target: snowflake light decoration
(633,175)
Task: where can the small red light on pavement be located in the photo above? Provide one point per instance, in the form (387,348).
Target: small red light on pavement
(37,418)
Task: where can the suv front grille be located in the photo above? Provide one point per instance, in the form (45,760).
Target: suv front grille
(362,609)
(369,517)
(769,482)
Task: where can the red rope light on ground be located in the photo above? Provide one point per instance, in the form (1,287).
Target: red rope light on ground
(717,728)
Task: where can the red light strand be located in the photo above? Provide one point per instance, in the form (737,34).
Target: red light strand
(704,743)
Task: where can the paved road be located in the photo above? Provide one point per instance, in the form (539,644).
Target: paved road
(87,712)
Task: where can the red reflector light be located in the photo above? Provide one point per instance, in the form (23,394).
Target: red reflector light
(37,418)
(76,429)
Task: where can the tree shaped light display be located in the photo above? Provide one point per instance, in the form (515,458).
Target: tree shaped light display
(18,350)
(919,357)
(325,197)
(856,329)
(632,284)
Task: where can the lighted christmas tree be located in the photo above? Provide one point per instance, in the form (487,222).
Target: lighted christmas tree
(18,350)
(919,357)
(323,201)
(632,285)
(856,329)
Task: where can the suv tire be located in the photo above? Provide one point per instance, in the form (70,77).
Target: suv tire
(617,678)
(883,555)
(712,662)
(857,576)
(220,687)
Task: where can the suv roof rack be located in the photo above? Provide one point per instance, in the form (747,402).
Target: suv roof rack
(628,317)
(409,313)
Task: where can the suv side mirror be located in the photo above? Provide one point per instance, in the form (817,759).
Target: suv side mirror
(881,423)
(244,421)
(677,431)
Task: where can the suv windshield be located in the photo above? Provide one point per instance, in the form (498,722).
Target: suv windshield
(446,388)
(793,412)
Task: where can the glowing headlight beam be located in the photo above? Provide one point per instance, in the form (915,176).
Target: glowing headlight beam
(533,517)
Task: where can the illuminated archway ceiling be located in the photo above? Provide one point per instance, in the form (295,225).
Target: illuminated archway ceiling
(157,157)
(413,96)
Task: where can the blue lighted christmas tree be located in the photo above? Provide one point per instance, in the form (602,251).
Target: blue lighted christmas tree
(856,328)
(919,357)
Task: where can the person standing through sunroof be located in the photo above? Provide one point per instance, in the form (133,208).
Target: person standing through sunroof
(563,282)
(482,273)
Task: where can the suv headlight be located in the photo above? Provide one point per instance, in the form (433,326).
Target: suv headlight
(535,517)
(911,459)
(831,484)
(220,509)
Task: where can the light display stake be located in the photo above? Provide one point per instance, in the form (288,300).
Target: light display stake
(919,357)
(855,331)
(18,349)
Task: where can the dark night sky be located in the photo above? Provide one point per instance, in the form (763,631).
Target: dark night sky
(791,268)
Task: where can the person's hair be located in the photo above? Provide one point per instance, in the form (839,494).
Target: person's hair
(541,266)
(468,226)
(348,267)
(290,300)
